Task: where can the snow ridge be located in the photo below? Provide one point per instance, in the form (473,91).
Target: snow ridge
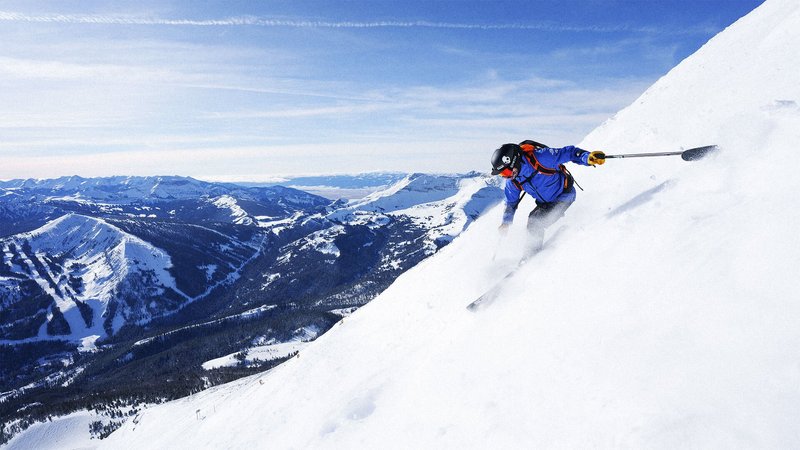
(444,204)
(84,261)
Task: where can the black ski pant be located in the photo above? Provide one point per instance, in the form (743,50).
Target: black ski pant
(544,215)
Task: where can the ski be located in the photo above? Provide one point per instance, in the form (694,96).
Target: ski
(493,294)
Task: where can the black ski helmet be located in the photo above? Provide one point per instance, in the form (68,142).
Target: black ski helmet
(506,157)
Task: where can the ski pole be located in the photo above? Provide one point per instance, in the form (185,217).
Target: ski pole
(499,241)
(500,237)
(642,155)
(692,154)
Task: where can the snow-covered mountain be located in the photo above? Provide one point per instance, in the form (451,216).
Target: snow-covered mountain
(347,255)
(200,282)
(27,204)
(85,277)
(664,316)
(124,190)
(443,204)
(95,272)
(112,189)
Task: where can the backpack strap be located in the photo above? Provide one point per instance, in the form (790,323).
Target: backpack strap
(529,148)
(531,157)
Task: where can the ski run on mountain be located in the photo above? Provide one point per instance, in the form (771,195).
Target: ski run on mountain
(664,316)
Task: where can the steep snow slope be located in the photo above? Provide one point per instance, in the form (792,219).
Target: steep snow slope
(664,316)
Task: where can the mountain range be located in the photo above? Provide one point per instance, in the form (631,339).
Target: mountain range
(109,281)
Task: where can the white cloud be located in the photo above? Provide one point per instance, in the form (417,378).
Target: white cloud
(143,102)
(53,69)
(269,22)
(306,88)
(236,141)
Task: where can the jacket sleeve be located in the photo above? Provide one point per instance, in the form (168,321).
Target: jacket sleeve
(552,157)
(512,193)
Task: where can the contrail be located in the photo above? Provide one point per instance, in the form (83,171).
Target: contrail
(265,22)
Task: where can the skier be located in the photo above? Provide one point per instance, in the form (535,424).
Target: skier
(539,170)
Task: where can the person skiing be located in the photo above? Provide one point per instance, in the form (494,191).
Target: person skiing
(538,170)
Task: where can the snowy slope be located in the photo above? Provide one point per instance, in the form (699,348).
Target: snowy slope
(66,432)
(97,276)
(664,316)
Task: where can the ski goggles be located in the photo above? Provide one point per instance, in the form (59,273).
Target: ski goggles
(506,172)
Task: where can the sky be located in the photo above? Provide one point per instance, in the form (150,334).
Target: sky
(249,91)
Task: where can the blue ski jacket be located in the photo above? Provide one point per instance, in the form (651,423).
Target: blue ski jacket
(543,177)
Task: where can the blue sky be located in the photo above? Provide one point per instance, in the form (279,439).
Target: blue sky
(244,90)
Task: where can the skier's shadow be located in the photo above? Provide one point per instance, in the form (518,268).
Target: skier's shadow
(640,199)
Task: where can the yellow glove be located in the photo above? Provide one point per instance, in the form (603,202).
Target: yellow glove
(596,158)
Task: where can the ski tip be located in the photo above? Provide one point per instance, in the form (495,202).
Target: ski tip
(474,306)
(694,154)
(482,301)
